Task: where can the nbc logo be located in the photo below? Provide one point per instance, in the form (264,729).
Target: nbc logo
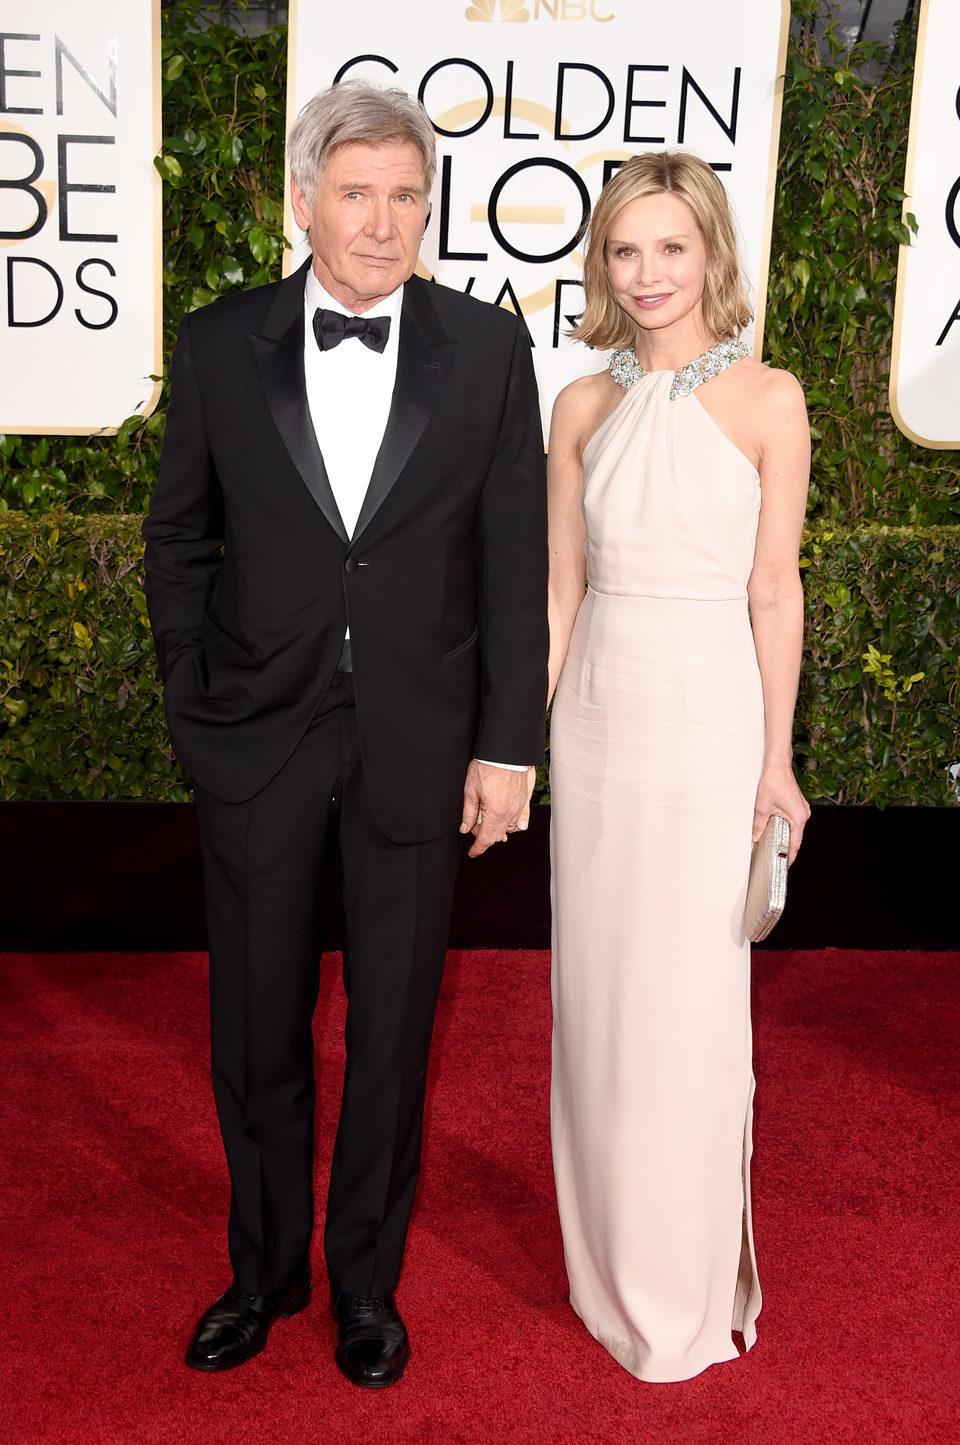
(515,12)
(512,11)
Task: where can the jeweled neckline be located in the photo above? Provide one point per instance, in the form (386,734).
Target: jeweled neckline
(627,371)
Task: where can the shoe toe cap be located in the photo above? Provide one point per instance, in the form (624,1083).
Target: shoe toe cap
(374,1362)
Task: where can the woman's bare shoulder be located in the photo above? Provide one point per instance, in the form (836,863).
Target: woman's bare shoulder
(769,383)
(583,404)
(588,391)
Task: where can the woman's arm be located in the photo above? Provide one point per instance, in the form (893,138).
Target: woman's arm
(776,594)
(566,529)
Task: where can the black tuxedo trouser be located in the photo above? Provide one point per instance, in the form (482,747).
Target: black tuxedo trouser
(265,862)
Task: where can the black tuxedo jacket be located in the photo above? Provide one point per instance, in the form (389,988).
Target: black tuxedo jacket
(252,580)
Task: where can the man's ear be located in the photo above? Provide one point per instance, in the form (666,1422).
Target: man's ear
(301,209)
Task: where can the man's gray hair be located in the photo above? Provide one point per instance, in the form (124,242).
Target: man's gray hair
(354,112)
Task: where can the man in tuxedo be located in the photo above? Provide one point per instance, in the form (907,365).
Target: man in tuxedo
(345,565)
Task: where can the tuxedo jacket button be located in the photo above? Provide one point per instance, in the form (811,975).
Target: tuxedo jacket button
(351,564)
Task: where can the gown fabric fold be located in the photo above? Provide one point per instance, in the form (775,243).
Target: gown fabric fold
(656,752)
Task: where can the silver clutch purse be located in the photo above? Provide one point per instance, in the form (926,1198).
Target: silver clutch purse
(767,888)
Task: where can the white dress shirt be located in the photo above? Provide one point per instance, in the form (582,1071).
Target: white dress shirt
(349,391)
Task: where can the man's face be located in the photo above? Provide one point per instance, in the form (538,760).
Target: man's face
(366,221)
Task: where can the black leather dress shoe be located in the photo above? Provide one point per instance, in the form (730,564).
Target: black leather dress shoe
(372,1345)
(235,1328)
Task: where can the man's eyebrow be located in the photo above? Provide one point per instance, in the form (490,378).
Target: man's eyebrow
(415,187)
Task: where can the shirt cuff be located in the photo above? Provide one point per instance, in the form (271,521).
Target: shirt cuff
(508,767)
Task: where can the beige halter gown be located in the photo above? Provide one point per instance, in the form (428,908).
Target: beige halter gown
(656,752)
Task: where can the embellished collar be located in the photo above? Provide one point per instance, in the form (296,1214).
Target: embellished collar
(627,371)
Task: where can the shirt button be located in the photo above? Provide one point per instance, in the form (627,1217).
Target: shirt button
(351,564)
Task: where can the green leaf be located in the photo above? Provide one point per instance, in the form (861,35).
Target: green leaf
(261,245)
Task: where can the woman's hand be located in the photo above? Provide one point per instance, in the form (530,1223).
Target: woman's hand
(779,793)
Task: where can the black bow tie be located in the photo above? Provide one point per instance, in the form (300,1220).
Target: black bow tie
(330,327)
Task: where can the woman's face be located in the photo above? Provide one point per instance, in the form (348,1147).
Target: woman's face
(657,261)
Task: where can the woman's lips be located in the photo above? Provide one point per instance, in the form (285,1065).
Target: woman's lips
(648,303)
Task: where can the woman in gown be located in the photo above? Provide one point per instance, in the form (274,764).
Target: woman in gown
(678,484)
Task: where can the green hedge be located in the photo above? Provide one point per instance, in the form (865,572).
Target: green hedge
(877,720)
(81,710)
(81,713)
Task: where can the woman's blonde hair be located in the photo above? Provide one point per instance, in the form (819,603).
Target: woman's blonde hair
(726,310)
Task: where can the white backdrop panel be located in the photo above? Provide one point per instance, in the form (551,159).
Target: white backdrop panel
(925,372)
(535,100)
(80,329)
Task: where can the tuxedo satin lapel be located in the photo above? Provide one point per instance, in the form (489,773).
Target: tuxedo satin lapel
(278,354)
(423,359)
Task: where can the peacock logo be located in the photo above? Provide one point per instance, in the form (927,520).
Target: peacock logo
(513,12)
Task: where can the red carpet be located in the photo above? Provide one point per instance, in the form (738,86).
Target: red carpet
(113,1206)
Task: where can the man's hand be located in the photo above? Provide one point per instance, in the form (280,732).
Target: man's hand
(496,802)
